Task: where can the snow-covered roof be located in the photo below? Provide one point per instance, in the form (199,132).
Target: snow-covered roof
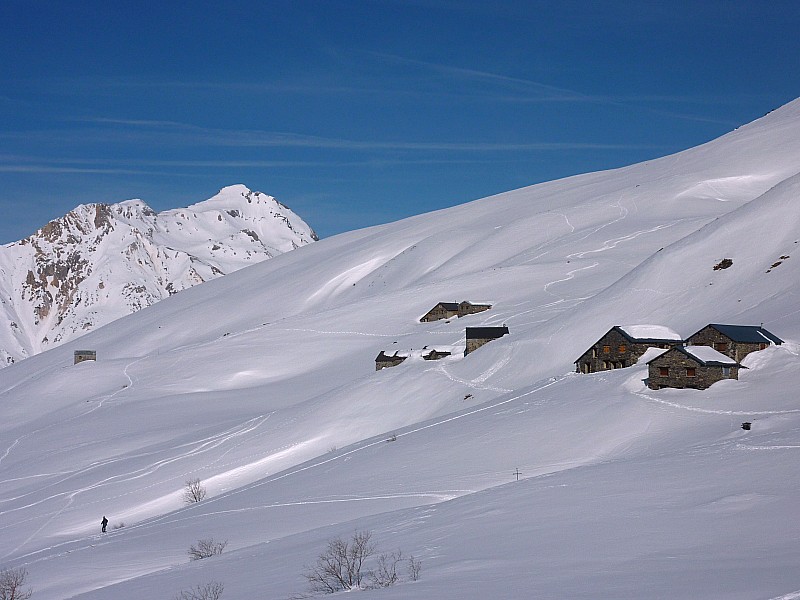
(650,332)
(707,355)
(650,354)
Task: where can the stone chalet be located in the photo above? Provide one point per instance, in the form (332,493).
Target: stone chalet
(694,367)
(382,361)
(435,355)
(82,355)
(478,336)
(447,310)
(622,345)
(735,341)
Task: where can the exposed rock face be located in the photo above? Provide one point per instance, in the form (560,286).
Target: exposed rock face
(100,262)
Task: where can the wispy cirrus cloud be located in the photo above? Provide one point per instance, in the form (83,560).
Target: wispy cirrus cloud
(527,91)
(33,164)
(175,133)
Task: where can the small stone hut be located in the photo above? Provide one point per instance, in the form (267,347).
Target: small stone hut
(478,336)
(435,355)
(383,361)
(447,310)
(735,341)
(623,345)
(694,367)
(82,355)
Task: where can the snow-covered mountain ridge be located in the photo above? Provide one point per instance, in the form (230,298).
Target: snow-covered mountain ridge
(262,384)
(102,261)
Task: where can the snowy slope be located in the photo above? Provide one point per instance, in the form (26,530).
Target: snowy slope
(100,262)
(262,384)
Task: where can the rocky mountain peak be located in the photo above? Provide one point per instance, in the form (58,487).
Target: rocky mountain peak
(100,262)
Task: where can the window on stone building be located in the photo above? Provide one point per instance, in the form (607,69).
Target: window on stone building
(762,346)
(721,346)
(622,348)
(691,372)
(606,349)
(663,371)
(726,371)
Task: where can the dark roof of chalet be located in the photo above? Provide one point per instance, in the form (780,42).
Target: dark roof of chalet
(704,355)
(486,333)
(746,334)
(447,305)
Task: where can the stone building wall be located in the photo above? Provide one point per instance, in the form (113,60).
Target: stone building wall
(478,336)
(82,355)
(475,343)
(613,351)
(437,313)
(466,308)
(384,361)
(708,336)
(678,375)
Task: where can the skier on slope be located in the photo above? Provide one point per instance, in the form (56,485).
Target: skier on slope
(103,523)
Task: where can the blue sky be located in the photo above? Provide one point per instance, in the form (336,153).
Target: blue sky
(355,113)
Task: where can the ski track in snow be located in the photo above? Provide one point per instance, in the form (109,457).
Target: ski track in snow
(566,218)
(714,412)
(570,275)
(195,447)
(614,242)
(99,402)
(749,447)
(472,384)
(314,464)
(69,546)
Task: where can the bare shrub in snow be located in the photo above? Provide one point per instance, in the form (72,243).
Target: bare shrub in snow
(209,591)
(414,568)
(385,572)
(206,548)
(12,584)
(194,491)
(341,566)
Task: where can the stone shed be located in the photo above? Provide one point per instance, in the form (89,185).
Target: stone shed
(383,360)
(435,355)
(82,355)
(694,367)
(448,310)
(735,341)
(478,336)
(623,345)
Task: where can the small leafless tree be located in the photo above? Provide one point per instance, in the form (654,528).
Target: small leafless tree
(206,548)
(341,566)
(385,572)
(194,491)
(12,583)
(209,591)
(414,568)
